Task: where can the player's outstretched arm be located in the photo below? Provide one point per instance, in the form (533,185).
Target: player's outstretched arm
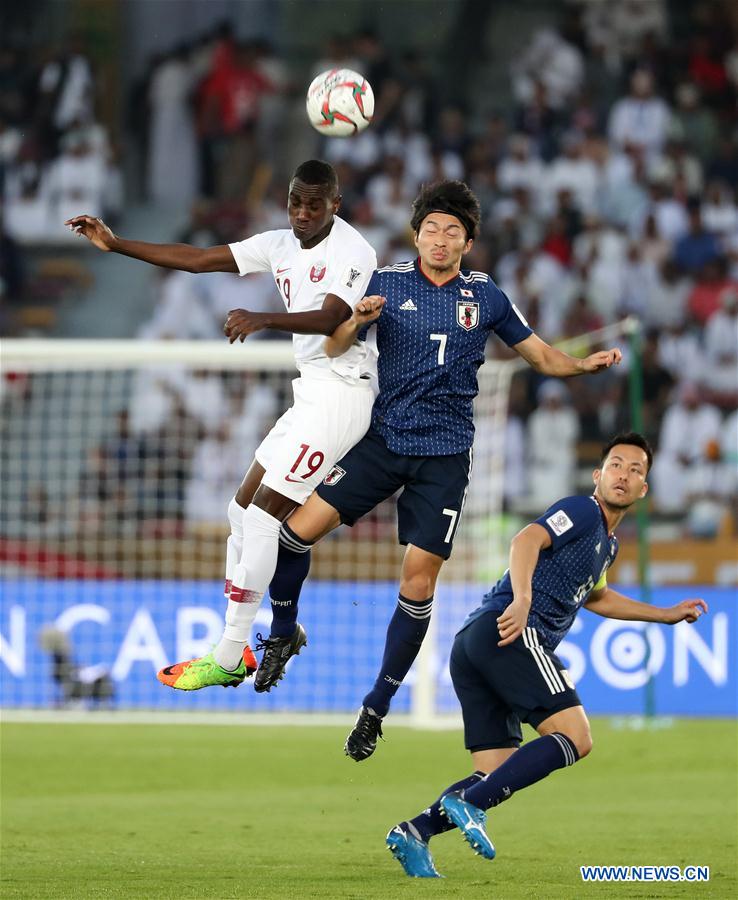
(366,311)
(549,361)
(169,256)
(612,605)
(525,549)
(242,322)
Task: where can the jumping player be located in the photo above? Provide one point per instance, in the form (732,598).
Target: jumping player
(431,337)
(321,266)
(503,665)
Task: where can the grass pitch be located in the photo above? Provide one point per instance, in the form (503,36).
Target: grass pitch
(96,811)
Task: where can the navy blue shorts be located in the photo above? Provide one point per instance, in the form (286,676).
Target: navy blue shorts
(434,490)
(498,687)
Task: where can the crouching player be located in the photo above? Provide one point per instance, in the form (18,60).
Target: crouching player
(503,665)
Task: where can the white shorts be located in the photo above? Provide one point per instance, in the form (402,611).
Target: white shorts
(329,415)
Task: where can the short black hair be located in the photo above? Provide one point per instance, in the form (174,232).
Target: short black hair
(451,197)
(316,171)
(629,437)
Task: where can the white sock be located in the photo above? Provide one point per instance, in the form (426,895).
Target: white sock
(234,544)
(251,578)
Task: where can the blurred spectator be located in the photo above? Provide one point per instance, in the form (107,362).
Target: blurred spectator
(694,123)
(719,211)
(680,352)
(689,425)
(553,431)
(721,351)
(173,176)
(552,60)
(519,169)
(668,212)
(66,90)
(711,492)
(573,172)
(641,119)
(80,178)
(229,109)
(678,168)
(658,382)
(667,300)
(698,247)
(704,299)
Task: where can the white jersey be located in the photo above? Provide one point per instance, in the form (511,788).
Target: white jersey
(342,264)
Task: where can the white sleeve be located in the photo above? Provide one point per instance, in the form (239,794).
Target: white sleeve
(253,254)
(353,276)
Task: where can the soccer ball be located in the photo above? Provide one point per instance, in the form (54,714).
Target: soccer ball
(340,103)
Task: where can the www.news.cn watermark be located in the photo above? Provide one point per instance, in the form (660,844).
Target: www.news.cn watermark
(645,873)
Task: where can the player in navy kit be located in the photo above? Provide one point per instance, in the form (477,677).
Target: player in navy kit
(503,666)
(431,337)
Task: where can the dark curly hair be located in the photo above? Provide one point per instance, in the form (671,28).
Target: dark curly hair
(628,437)
(316,171)
(451,197)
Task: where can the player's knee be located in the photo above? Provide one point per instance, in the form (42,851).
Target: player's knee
(582,740)
(418,585)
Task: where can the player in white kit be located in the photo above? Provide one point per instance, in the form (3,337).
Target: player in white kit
(321,266)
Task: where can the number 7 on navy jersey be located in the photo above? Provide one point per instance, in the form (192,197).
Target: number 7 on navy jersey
(441,338)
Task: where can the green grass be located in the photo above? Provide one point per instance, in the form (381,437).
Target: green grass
(270,812)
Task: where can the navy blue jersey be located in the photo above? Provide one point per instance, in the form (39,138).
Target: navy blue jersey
(567,572)
(431,343)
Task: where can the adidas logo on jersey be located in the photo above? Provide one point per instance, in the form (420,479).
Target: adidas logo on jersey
(408,304)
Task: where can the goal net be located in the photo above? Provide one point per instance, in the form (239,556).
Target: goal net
(119,459)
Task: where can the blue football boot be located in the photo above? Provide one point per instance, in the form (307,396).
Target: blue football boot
(470,820)
(412,854)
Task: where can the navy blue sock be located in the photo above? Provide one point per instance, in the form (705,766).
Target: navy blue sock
(532,762)
(432,821)
(405,634)
(293,565)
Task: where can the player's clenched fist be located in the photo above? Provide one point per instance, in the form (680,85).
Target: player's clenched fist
(240,324)
(368,309)
(95,230)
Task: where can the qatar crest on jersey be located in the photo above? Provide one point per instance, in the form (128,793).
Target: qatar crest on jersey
(318,271)
(467,314)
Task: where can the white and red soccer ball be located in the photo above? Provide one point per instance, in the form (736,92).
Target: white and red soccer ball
(340,103)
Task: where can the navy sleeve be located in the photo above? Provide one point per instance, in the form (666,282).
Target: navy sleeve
(569,519)
(508,322)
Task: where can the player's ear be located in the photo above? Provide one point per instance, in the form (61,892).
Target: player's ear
(337,203)
(596,476)
(467,246)
(644,490)
(415,239)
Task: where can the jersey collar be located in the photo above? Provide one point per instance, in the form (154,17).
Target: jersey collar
(604,517)
(419,270)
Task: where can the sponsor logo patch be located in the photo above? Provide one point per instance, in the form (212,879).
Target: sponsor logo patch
(317,272)
(334,476)
(559,522)
(467,314)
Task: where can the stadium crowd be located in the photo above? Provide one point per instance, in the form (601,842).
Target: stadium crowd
(609,188)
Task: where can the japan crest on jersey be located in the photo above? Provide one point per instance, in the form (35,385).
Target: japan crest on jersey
(317,272)
(335,474)
(467,314)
